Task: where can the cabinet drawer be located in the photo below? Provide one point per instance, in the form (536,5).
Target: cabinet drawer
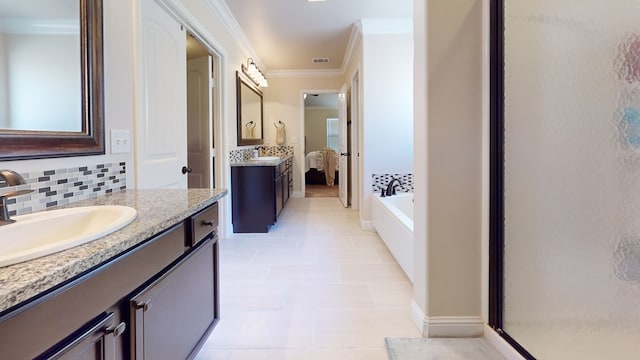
(202,224)
(96,341)
(282,168)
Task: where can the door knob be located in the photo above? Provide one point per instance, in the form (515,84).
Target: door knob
(345,154)
(186,170)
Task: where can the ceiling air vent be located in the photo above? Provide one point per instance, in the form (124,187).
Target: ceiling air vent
(320,60)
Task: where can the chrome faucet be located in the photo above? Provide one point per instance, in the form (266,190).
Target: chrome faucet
(11,178)
(391,189)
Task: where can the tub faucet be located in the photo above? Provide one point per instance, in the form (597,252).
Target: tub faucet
(391,188)
(11,178)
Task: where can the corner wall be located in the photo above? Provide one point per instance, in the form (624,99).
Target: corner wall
(387,106)
(447,286)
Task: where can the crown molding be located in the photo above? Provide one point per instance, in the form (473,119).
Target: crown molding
(305,73)
(229,21)
(352,45)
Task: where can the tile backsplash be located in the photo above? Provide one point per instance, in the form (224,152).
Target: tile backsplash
(382,180)
(265,150)
(64,186)
(276,150)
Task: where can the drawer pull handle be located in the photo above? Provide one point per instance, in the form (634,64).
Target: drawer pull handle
(144,306)
(117,330)
(208,223)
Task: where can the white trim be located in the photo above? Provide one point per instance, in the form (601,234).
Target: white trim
(446,326)
(326,73)
(356,121)
(352,45)
(387,26)
(223,12)
(486,172)
(297,194)
(418,316)
(501,345)
(454,326)
(367,225)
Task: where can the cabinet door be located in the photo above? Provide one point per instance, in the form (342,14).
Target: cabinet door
(279,186)
(95,342)
(171,316)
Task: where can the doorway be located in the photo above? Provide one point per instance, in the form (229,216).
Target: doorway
(201,144)
(321,145)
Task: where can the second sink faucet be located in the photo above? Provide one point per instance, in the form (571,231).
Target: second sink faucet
(12,178)
(391,188)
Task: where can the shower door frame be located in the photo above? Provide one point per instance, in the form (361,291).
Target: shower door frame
(496,191)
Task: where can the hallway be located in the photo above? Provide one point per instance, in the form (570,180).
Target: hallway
(315,287)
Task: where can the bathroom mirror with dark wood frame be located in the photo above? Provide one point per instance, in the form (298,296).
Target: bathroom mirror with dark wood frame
(250,114)
(85,135)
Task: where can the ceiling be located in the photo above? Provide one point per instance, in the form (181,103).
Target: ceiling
(287,34)
(324,101)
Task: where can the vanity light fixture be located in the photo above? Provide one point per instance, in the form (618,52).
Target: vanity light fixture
(254,73)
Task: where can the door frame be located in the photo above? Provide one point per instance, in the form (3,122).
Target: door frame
(220,98)
(355,118)
(303,124)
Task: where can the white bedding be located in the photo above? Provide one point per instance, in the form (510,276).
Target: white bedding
(314,160)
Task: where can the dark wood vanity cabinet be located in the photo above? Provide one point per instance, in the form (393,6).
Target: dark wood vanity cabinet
(170,316)
(158,300)
(259,193)
(95,342)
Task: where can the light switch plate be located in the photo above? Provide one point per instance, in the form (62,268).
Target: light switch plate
(120,142)
(294,139)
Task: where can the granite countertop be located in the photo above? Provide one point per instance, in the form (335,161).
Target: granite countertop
(157,210)
(252,162)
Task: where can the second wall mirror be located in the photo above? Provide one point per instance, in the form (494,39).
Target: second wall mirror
(250,115)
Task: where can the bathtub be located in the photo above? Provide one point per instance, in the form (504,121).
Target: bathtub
(392,217)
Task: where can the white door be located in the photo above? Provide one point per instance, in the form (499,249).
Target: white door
(342,139)
(199,113)
(161,122)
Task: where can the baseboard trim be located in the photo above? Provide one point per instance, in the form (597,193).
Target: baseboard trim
(297,194)
(418,317)
(446,326)
(500,344)
(367,225)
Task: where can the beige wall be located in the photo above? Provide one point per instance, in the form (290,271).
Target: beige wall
(449,163)
(315,127)
(283,102)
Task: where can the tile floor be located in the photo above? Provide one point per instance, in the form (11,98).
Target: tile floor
(315,287)
(441,349)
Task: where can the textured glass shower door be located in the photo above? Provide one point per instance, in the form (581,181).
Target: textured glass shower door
(571,178)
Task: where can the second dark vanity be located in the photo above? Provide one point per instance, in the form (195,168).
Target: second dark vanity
(260,190)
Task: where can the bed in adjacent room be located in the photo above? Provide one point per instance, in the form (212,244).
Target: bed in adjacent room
(315,168)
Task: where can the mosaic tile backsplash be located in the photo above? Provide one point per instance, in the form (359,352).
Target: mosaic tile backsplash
(246,154)
(64,186)
(382,180)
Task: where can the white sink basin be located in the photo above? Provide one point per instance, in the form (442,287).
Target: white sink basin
(267,158)
(43,233)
